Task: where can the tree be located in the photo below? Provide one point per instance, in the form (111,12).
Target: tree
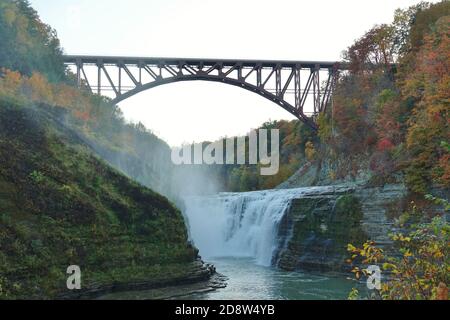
(310,151)
(10,82)
(38,89)
(404,19)
(373,50)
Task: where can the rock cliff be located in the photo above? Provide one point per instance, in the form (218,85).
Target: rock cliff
(315,231)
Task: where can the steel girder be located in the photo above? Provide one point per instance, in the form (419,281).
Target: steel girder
(271,79)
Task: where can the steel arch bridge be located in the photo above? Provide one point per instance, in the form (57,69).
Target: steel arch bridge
(287,83)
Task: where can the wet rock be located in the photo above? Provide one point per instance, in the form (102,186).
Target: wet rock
(314,233)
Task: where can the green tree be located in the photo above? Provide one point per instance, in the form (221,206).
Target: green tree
(28,44)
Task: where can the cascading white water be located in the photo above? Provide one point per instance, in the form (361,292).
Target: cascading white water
(241,224)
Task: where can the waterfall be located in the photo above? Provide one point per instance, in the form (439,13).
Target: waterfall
(240,224)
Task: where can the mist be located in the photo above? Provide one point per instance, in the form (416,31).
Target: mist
(141,155)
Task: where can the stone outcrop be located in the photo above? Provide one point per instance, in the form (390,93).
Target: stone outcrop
(379,206)
(315,231)
(198,274)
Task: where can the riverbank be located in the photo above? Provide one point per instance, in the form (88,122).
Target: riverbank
(196,277)
(170,290)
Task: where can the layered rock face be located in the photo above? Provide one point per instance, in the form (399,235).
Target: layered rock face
(314,233)
(202,276)
(379,205)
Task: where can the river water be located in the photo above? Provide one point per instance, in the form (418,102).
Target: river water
(250,281)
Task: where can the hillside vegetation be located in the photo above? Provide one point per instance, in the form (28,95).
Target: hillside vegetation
(32,72)
(394,120)
(60,204)
(294,150)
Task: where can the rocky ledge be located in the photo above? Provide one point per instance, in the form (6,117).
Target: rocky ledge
(314,233)
(199,277)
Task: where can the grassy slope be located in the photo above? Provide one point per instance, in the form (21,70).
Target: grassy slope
(61,205)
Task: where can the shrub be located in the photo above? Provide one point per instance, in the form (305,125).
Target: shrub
(419,269)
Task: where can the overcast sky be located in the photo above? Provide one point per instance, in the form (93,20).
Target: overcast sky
(253,29)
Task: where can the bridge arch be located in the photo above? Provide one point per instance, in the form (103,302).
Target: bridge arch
(247,86)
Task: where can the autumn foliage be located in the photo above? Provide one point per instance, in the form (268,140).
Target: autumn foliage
(391,109)
(37,89)
(429,87)
(419,267)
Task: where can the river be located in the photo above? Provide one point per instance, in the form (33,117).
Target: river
(250,281)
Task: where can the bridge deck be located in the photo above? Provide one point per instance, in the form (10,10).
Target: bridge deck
(87,59)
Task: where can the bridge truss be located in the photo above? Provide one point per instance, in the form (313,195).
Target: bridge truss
(290,84)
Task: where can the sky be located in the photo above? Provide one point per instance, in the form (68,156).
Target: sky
(196,111)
